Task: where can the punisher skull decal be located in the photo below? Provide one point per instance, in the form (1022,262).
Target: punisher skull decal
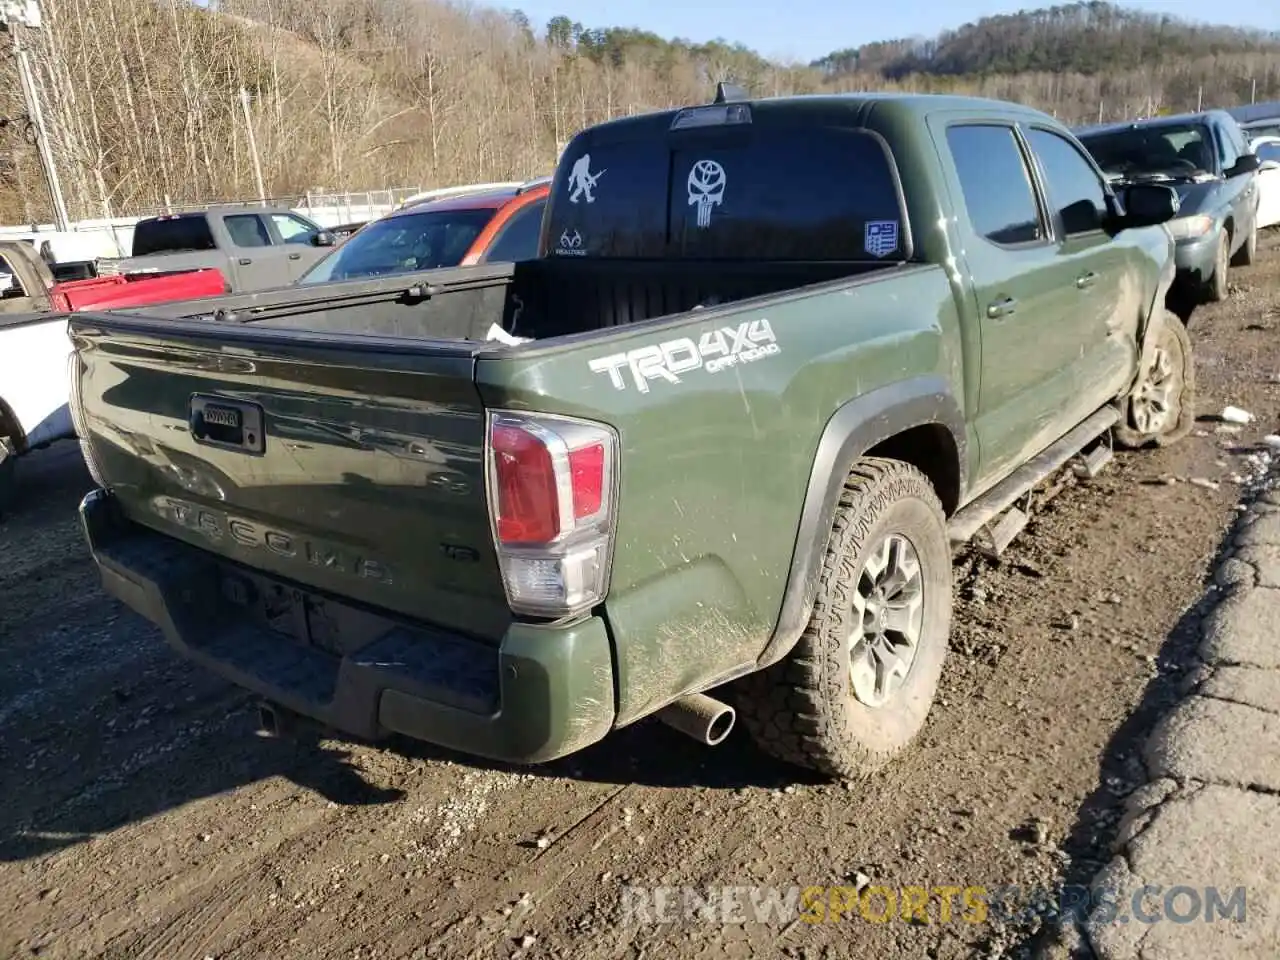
(706,189)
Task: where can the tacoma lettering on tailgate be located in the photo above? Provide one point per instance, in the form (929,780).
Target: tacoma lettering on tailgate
(218,526)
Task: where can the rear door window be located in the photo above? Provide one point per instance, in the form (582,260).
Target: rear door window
(996,184)
(248,230)
(172,235)
(770,194)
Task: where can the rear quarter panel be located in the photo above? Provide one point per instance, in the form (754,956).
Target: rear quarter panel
(714,468)
(33,377)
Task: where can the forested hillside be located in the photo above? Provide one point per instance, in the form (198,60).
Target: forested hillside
(142,96)
(1087,38)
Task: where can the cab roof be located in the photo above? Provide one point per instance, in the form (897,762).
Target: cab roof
(841,108)
(482,200)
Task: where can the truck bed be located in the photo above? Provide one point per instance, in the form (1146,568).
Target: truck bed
(342,485)
(535,299)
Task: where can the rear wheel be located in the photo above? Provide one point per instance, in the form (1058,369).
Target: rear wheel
(8,467)
(1215,288)
(858,686)
(1161,408)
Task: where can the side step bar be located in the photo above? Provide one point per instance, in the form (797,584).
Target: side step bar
(1001,533)
(967,522)
(1093,461)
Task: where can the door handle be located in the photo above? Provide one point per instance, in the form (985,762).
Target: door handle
(245,261)
(1001,308)
(1086,280)
(295,256)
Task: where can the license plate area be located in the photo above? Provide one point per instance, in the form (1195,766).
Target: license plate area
(228,424)
(300,616)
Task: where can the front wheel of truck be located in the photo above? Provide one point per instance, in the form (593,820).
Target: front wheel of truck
(856,689)
(1161,408)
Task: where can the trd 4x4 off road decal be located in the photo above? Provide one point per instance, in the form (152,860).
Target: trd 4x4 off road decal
(715,350)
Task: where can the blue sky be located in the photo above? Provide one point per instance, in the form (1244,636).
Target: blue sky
(808,29)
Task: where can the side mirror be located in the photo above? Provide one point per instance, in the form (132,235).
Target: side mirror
(1269,165)
(1147,204)
(323,238)
(1081,217)
(1248,163)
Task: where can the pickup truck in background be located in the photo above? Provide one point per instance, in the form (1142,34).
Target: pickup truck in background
(778,359)
(256,248)
(1207,159)
(1258,119)
(34,346)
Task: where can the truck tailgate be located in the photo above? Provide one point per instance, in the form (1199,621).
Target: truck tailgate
(118,292)
(302,456)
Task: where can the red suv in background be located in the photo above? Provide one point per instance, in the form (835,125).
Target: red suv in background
(490,226)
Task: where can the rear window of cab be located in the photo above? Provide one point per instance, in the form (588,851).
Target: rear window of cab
(823,193)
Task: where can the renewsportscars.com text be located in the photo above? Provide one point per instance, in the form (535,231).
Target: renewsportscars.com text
(933,904)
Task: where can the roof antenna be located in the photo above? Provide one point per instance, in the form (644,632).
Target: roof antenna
(727,92)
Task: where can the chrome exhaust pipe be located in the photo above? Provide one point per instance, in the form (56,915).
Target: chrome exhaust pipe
(706,720)
(276,721)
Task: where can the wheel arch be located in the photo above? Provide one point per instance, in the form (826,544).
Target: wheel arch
(917,421)
(1229,228)
(11,427)
(1157,316)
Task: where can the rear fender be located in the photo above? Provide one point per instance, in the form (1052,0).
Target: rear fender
(11,430)
(855,428)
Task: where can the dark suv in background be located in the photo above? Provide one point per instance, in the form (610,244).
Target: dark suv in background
(1206,158)
(1258,119)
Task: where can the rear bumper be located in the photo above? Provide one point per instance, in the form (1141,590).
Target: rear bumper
(544,693)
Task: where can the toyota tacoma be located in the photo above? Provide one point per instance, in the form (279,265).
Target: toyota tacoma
(709,455)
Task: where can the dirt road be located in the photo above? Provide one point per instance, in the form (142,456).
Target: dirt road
(142,819)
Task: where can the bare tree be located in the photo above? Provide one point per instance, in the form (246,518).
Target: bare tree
(142,96)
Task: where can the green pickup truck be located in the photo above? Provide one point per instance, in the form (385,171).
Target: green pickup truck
(710,454)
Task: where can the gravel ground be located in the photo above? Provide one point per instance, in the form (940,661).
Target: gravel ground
(142,818)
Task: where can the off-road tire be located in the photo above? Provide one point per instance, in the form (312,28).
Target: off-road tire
(1174,339)
(8,468)
(802,709)
(1247,255)
(1215,288)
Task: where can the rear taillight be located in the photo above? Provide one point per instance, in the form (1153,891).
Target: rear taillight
(551,499)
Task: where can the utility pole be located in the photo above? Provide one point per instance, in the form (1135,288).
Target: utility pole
(253,145)
(14,17)
(1253,95)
